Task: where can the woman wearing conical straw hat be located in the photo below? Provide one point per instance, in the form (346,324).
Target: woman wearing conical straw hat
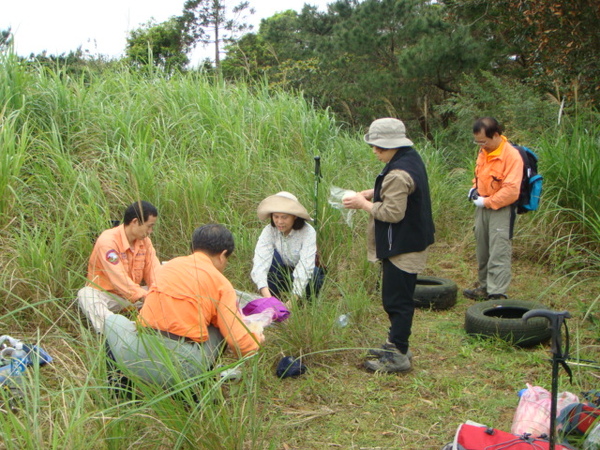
(286,251)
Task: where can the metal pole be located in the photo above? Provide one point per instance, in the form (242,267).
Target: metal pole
(559,356)
(317,179)
(553,402)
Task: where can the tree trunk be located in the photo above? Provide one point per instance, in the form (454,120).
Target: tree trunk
(217,11)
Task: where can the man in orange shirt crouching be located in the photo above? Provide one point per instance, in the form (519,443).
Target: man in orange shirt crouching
(122,260)
(188,313)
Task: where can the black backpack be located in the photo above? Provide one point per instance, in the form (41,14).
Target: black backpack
(531,185)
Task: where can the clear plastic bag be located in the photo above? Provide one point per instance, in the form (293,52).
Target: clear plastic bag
(256,323)
(335,199)
(263,318)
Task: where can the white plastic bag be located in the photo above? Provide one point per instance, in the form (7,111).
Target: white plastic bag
(335,199)
(533,412)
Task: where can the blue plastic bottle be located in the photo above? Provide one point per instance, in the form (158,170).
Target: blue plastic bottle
(10,373)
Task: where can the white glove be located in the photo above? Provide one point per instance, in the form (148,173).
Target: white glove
(470,194)
(479,202)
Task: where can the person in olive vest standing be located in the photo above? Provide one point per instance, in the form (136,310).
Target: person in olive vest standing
(400,231)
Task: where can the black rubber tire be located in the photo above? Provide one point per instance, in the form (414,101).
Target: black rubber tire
(503,318)
(435,293)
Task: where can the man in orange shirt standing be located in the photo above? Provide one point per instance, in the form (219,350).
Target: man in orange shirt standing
(189,312)
(122,259)
(496,187)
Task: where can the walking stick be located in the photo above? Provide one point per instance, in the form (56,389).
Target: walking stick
(317,179)
(558,357)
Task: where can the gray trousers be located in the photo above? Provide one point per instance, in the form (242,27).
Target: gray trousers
(154,358)
(493,236)
(98,305)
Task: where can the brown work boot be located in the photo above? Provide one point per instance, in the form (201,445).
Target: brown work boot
(476,294)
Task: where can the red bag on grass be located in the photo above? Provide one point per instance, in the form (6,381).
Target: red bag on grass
(578,418)
(474,436)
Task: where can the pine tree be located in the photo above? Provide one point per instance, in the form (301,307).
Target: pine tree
(210,22)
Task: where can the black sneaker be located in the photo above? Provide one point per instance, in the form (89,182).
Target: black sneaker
(497,297)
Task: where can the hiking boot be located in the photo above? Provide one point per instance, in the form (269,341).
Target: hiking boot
(379,352)
(476,294)
(387,347)
(497,297)
(390,362)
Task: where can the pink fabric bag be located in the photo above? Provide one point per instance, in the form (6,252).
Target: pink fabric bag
(533,412)
(280,311)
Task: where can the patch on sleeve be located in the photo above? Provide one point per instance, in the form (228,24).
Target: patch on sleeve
(112,257)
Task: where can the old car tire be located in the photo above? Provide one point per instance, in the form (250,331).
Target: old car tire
(504,319)
(435,293)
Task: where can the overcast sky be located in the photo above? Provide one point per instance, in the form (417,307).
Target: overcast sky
(101,26)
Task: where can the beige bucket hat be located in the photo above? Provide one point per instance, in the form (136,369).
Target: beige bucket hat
(282,202)
(387,133)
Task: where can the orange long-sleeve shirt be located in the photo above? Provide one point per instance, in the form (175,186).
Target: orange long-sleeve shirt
(189,294)
(118,268)
(498,175)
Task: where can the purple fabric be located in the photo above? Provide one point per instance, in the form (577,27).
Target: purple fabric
(280,312)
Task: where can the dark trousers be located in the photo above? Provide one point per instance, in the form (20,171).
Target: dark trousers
(281,277)
(397,291)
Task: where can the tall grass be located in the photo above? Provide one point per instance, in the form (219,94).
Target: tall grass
(14,144)
(14,81)
(201,153)
(573,159)
(573,165)
(76,151)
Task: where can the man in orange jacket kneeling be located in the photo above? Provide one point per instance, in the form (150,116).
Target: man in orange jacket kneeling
(189,313)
